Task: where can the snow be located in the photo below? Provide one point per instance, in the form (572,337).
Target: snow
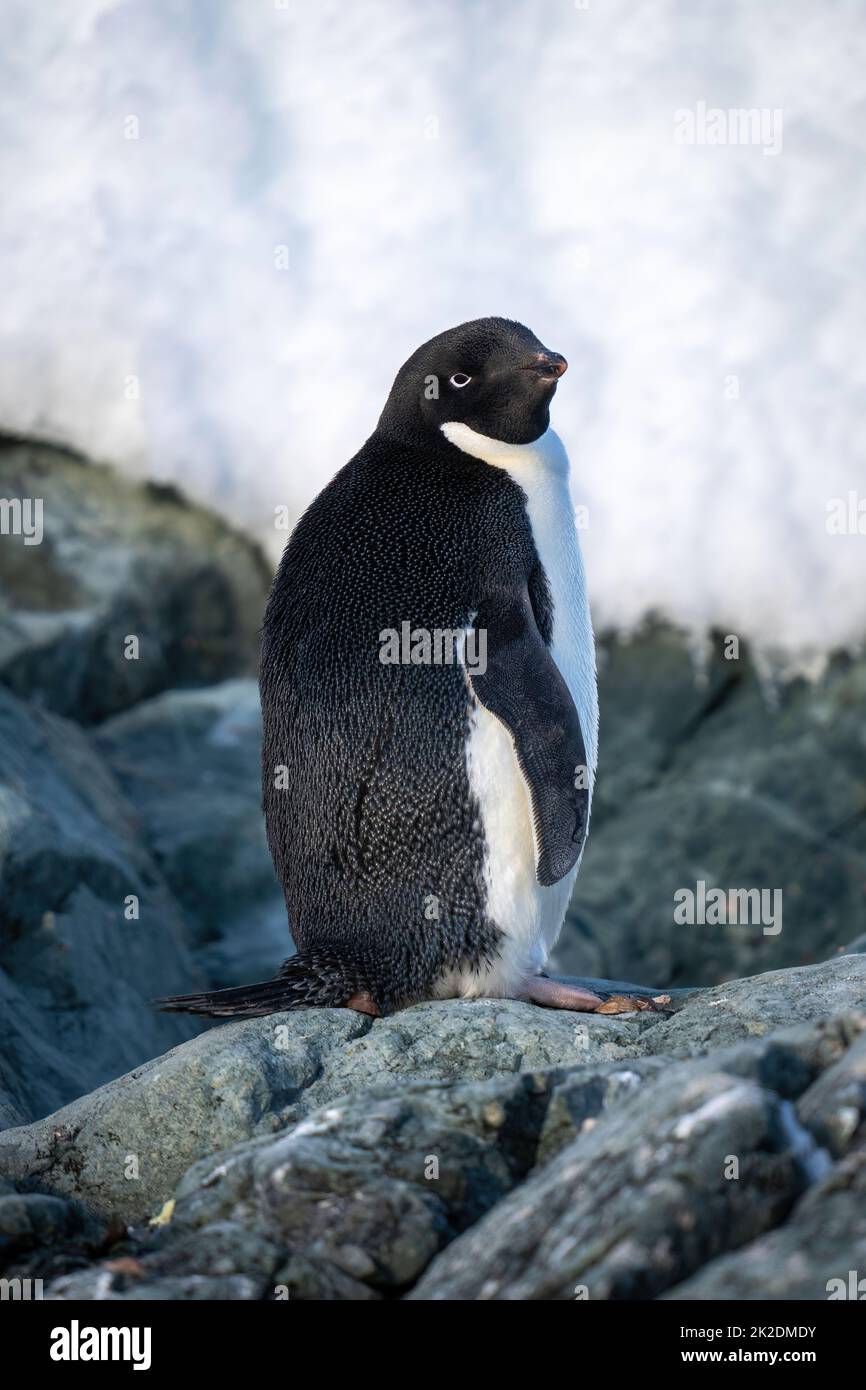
(223,301)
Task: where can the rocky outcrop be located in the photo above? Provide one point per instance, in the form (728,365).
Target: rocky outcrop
(466,1151)
(636,1204)
(820,1250)
(710,773)
(189,762)
(259,1076)
(89,929)
(117,559)
(133,861)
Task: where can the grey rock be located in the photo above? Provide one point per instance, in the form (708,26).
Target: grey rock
(225,1261)
(188,760)
(304,1159)
(477,1150)
(307,1280)
(789,1060)
(34,1218)
(578,1098)
(707,772)
(834,1107)
(10,1113)
(376,1184)
(819,1253)
(657,686)
(42,1236)
(74,972)
(361,1194)
(756,1006)
(119,558)
(258,1076)
(102,1284)
(634,1205)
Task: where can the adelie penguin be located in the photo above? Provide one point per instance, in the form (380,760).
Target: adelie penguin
(429,698)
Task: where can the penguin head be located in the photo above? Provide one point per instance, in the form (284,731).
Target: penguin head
(492,375)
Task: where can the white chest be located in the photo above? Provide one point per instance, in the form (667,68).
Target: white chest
(530,916)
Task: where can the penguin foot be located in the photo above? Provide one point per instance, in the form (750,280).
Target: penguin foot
(629,1003)
(363,1003)
(560,994)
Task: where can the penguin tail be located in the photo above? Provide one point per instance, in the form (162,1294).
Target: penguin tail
(247,1001)
(310,979)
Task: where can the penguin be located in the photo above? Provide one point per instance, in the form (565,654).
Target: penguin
(429,701)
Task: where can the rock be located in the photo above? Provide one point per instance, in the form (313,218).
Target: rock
(786,1062)
(305,1279)
(28,1220)
(834,1108)
(361,1193)
(582,1094)
(657,686)
(707,774)
(14,1104)
(455,1150)
(119,558)
(42,1237)
(253,1078)
(257,1076)
(189,761)
(102,1283)
(223,1262)
(76,974)
(789,1060)
(376,1184)
(637,1203)
(819,1253)
(484,1150)
(638,1259)
(754,1007)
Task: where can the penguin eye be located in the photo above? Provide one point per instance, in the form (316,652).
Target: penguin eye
(459,379)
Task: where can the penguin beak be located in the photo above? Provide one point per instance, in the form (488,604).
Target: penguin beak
(549,365)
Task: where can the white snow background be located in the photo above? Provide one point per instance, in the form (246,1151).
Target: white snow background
(423,164)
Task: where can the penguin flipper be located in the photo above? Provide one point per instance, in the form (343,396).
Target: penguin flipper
(523,687)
